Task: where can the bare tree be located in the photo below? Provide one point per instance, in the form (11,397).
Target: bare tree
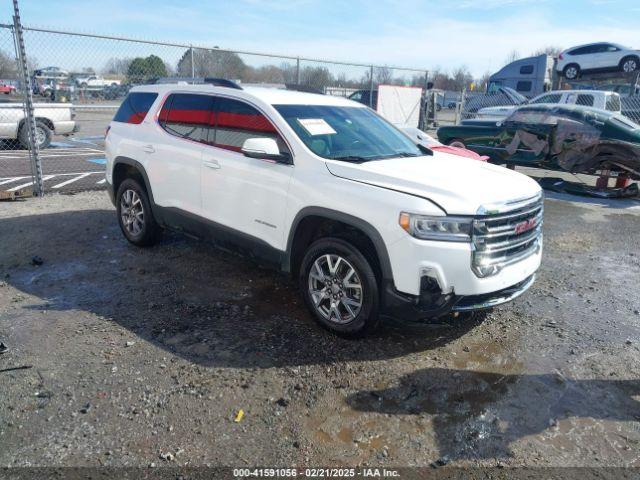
(116,66)
(8,66)
(512,57)
(552,50)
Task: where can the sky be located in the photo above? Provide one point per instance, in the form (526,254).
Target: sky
(444,34)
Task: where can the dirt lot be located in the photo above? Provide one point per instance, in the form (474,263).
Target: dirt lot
(127,357)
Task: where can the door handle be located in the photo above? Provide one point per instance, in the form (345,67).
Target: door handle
(212,164)
(149,149)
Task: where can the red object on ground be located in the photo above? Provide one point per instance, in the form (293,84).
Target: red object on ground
(461,152)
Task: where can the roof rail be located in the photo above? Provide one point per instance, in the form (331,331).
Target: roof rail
(222,82)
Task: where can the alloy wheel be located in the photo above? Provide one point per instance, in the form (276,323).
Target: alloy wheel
(132,212)
(630,65)
(41,136)
(572,72)
(335,288)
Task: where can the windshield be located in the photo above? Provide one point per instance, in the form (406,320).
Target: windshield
(352,134)
(521,99)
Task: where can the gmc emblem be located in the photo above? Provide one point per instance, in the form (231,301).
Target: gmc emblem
(525,226)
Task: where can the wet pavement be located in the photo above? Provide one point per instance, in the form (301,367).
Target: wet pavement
(120,356)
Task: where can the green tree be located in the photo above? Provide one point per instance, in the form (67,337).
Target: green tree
(142,69)
(212,63)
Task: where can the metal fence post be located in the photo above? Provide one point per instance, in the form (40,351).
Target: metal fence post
(422,119)
(193,65)
(371,87)
(298,71)
(30,121)
(460,105)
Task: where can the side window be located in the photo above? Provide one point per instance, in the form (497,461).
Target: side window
(237,121)
(187,115)
(135,107)
(523,86)
(585,100)
(584,50)
(526,69)
(550,98)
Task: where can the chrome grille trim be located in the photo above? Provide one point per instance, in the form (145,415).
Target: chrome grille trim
(497,242)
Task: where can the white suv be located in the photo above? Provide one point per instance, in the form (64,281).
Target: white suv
(324,188)
(597,57)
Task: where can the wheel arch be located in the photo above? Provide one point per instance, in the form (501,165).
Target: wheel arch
(627,57)
(125,167)
(300,236)
(46,121)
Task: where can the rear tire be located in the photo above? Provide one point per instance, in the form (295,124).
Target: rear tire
(135,217)
(571,71)
(340,288)
(43,135)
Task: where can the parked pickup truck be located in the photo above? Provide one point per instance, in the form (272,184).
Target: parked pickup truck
(96,81)
(327,190)
(609,101)
(51,118)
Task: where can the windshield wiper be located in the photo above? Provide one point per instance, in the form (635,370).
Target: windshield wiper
(406,154)
(352,158)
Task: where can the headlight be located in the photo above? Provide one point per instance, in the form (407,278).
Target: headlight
(447,229)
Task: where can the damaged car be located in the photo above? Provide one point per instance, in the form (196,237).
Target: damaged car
(570,138)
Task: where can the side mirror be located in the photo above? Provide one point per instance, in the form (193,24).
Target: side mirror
(264,148)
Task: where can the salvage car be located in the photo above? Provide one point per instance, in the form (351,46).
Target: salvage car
(324,188)
(556,137)
(597,57)
(495,97)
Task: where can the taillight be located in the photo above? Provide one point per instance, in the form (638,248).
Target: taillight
(560,57)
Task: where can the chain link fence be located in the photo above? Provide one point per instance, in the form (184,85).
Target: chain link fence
(498,105)
(79,80)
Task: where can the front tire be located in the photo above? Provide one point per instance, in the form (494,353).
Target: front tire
(571,71)
(629,64)
(135,217)
(340,288)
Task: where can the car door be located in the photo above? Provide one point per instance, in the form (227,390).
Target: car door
(248,195)
(526,137)
(176,151)
(609,56)
(587,57)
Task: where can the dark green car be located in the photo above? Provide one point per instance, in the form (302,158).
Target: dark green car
(556,137)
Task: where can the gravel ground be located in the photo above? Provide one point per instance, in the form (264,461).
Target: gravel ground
(127,357)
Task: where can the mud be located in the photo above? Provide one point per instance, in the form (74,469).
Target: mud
(130,355)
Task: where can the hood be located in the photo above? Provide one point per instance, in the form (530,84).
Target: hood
(458,185)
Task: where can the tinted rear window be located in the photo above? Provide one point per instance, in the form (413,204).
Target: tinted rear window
(135,107)
(187,115)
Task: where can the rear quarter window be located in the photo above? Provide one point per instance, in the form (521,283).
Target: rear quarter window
(135,107)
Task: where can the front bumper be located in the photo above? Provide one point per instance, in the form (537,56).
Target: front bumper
(422,308)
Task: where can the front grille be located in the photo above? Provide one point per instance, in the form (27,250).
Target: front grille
(504,238)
